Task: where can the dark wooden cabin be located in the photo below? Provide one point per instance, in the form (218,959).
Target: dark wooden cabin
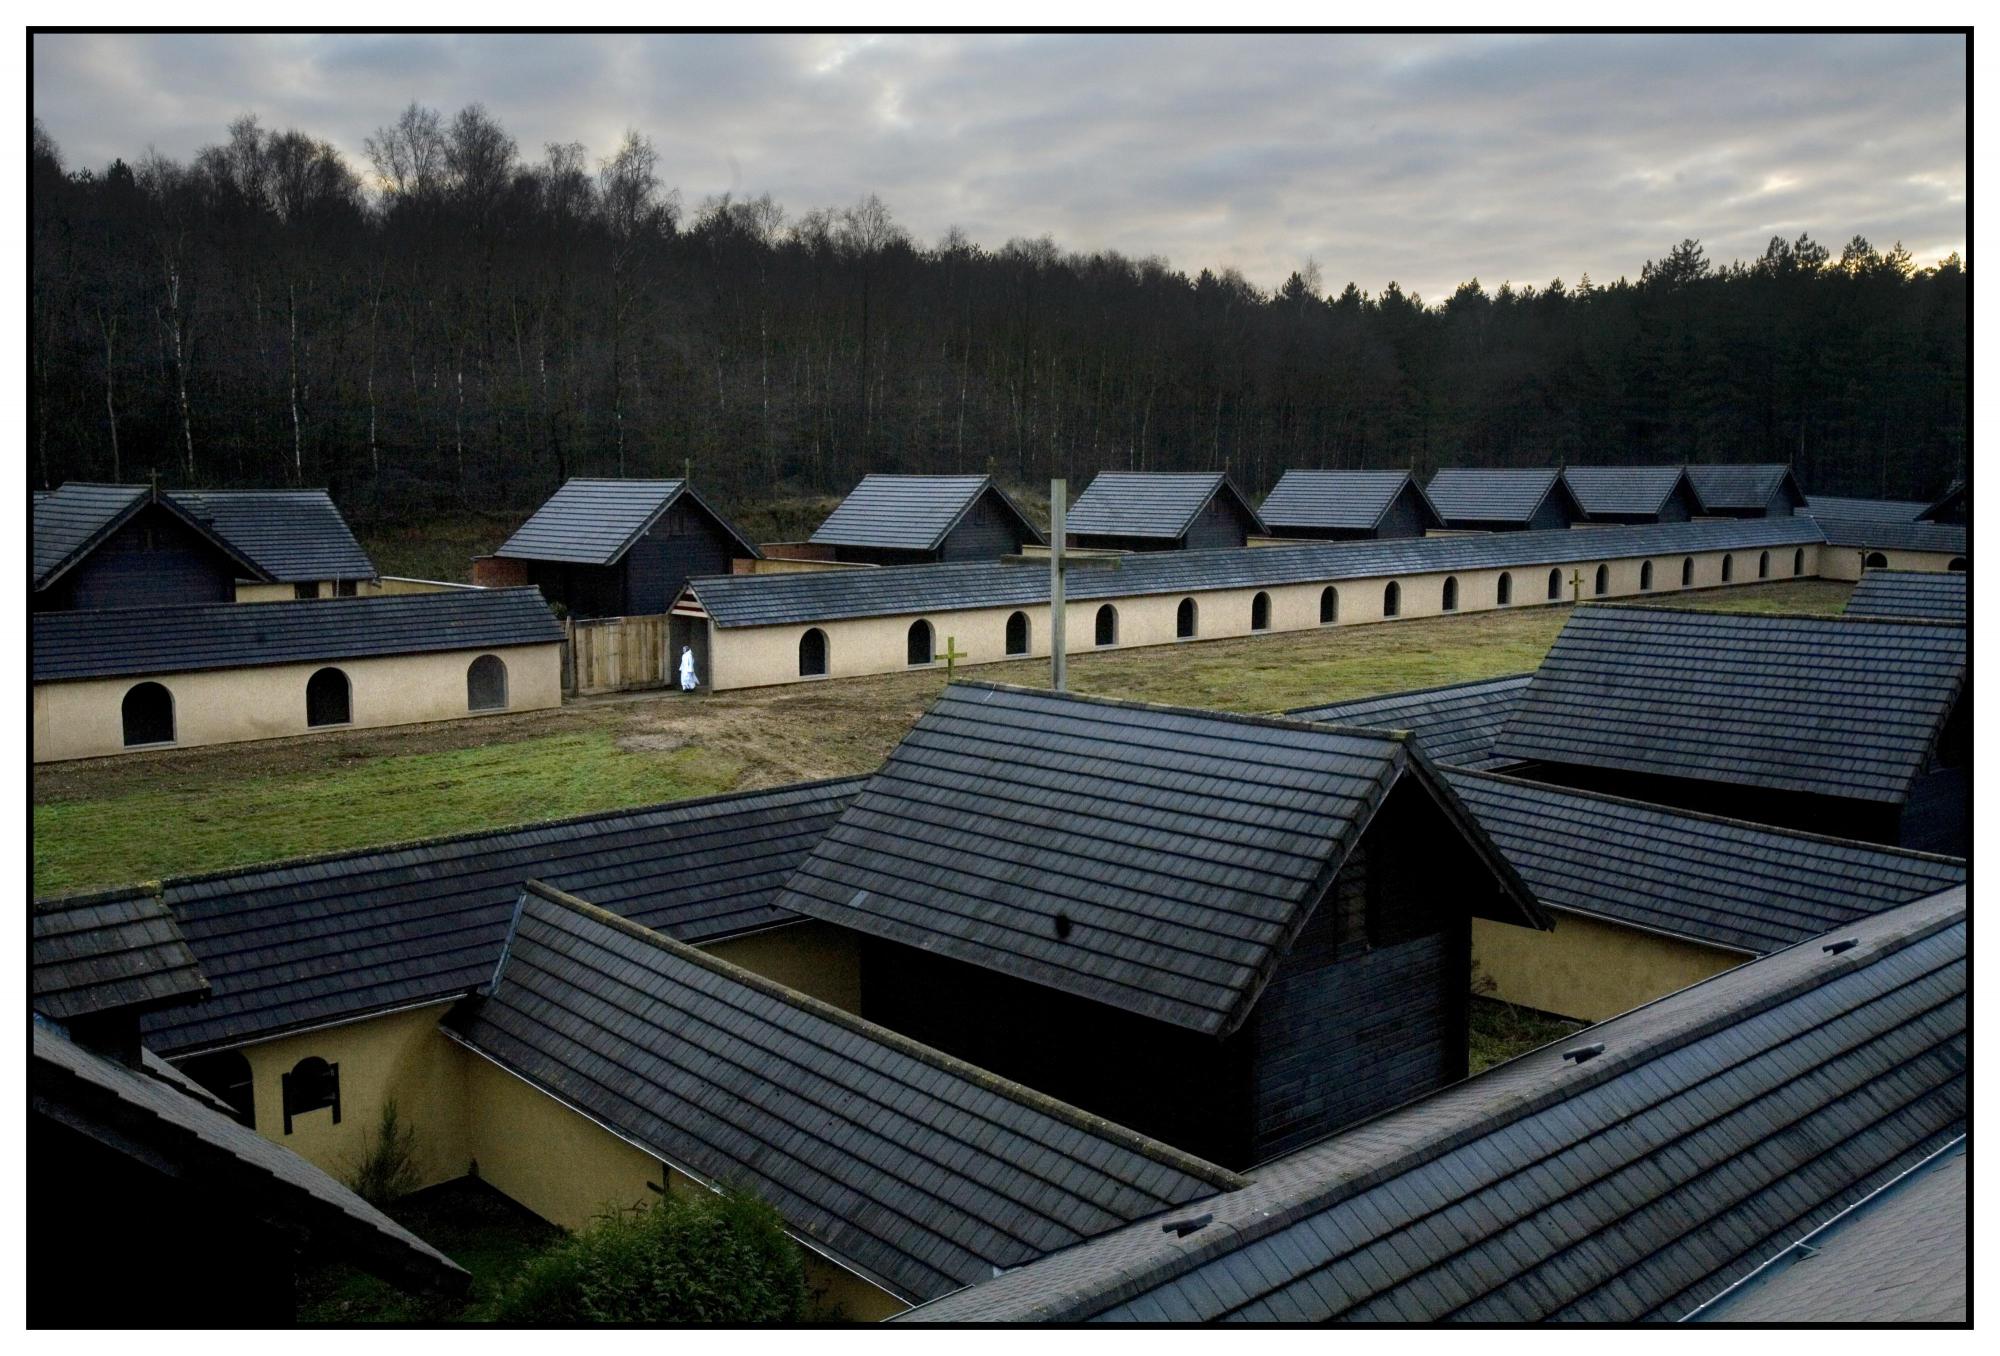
(1348,506)
(619,548)
(1504,499)
(1233,934)
(1767,490)
(1633,494)
(919,520)
(1161,511)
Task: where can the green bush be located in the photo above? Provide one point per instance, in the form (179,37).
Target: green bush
(693,1257)
(387,1167)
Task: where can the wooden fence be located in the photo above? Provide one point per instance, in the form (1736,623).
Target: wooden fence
(614,654)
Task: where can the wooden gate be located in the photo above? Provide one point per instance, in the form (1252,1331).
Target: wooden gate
(614,654)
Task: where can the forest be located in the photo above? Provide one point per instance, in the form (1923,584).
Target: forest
(459,325)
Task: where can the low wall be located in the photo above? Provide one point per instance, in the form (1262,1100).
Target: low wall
(1586,968)
(1845,562)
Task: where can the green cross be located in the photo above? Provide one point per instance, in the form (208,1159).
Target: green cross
(951,654)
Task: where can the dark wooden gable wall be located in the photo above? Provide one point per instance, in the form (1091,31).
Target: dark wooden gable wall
(1222,522)
(153,560)
(684,542)
(1406,515)
(986,532)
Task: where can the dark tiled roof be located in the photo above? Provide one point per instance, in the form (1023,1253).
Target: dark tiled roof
(1740,486)
(909,513)
(96,953)
(1160,504)
(828,595)
(1339,499)
(1715,1126)
(1623,489)
(594,522)
(1898,1257)
(71,520)
(1861,534)
(167,1131)
(291,535)
(1833,706)
(1493,494)
(1930,595)
(1155,859)
(104,642)
(1875,510)
(301,943)
(1454,725)
(1951,501)
(919,1171)
(1723,882)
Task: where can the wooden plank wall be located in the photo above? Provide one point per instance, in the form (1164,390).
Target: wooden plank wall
(615,654)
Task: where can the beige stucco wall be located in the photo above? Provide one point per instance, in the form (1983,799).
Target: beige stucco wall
(815,958)
(763,655)
(253,591)
(1844,562)
(218,706)
(1587,969)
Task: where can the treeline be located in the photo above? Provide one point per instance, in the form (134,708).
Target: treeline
(468,327)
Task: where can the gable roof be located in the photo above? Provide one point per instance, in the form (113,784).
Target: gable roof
(77,518)
(1625,489)
(1953,500)
(291,535)
(829,595)
(911,513)
(328,939)
(152,1121)
(1154,504)
(1867,534)
(1155,859)
(1928,594)
(103,953)
(1497,494)
(1454,725)
(1698,1137)
(1722,882)
(918,1171)
(1741,486)
(591,521)
(1349,500)
(1834,706)
(1875,510)
(108,642)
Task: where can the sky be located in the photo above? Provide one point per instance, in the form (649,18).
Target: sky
(1423,159)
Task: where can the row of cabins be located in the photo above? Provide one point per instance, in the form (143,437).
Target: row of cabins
(1065,967)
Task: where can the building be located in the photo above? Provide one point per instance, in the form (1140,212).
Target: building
(1230,933)
(113,679)
(1161,511)
(1954,506)
(617,548)
(1874,510)
(754,630)
(1348,506)
(1850,726)
(1643,1170)
(1633,494)
(1769,490)
(1858,544)
(1504,499)
(1914,594)
(103,546)
(1456,724)
(913,520)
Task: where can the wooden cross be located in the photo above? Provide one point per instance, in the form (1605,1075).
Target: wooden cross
(951,654)
(1576,586)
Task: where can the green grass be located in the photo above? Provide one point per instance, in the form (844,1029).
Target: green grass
(442,549)
(1501,1031)
(209,822)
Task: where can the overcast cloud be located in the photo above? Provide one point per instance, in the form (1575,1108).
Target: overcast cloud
(1427,160)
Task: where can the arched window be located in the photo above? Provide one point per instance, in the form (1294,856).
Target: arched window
(1687,572)
(1602,585)
(1392,599)
(812,653)
(1451,593)
(1875,561)
(328,698)
(486,684)
(1728,568)
(1017,633)
(1329,605)
(1957,565)
(1503,591)
(922,642)
(1646,577)
(1185,619)
(313,1083)
(1764,565)
(1260,612)
(1555,585)
(1107,625)
(227,1075)
(149,715)
(1799,561)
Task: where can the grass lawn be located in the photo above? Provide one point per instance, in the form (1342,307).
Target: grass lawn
(441,549)
(1501,1031)
(112,821)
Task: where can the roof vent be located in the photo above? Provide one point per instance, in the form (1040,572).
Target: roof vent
(1584,1052)
(1062,927)
(1181,1228)
(1844,944)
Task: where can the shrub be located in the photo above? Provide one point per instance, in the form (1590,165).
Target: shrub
(692,1257)
(387,1167)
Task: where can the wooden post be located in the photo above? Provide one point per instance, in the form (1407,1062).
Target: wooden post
(951,655)
(1058,610)
(1576,586)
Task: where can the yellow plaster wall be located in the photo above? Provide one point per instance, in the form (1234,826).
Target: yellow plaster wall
(1844,562)
(563,1166)
(813,957)
(1587,969)
(220,706)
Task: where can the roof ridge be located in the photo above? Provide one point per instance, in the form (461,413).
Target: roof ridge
(1413,692)
(1157,1150)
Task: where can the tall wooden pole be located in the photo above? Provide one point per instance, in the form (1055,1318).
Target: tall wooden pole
(1058,611)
